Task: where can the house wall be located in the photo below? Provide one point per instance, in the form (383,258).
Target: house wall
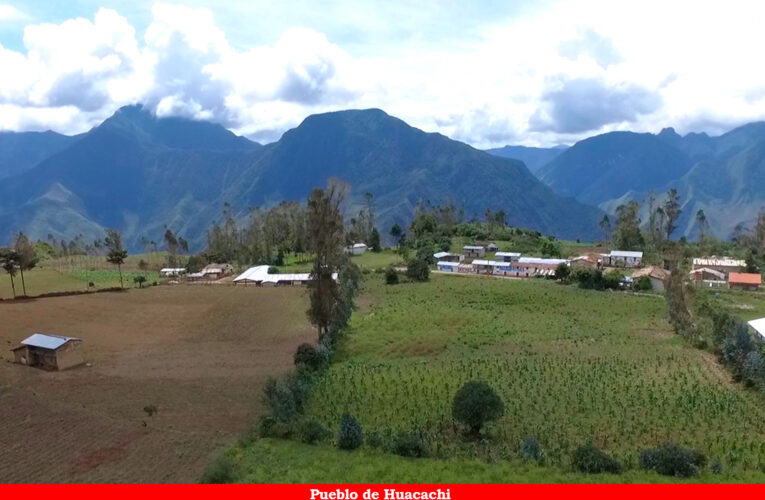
(69,356)
(657,284)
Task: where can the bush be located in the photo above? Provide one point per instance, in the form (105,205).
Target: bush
(279,398)
(391,276)
(375,439)
(418,269)
(562,272)
(531,449)
(269,427)
(311,356)
(754,369)
(410,444)
(221,471)
(591,460)
(311,431)
(643,284)
(717,467)
(475,404)
(670,459)
(350,435)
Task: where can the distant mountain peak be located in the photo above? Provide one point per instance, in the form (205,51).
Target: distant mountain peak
(173,131)
(668,132)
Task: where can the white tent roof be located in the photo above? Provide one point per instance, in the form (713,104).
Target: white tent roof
(758,325)
(260,274)
(46,341)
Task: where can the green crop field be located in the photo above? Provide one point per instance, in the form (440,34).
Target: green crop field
(572,366)
(369,261)
(43,280)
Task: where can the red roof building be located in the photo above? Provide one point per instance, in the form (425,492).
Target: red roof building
(744,281)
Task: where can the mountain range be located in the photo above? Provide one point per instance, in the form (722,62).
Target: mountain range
(140,174)
(722,175)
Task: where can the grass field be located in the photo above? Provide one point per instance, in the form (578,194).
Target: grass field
(199,354)
(368,260)
(43,280)
(571,365)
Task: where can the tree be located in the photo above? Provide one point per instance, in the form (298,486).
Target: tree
(27,257)
(703,224)
(605,226)
(562,272)
(418,266)
(374,240)
(326,237)
(116,252)
(475,404)
(350,435)
(671,211)
(397,233)
(172,246)
(10,262)
(628,235)
(139,280)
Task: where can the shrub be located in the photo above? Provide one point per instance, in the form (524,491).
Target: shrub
(311,431)
(269,427)
(475,404)
(278,397)
(670,459)
(562,272)
(221,471)
(376,439)
(643,284)
(717,467)
(531,449)
(311,356)
(592,460)
(350,435)
(418,269)
(754,368)
(410,444)
(391,276)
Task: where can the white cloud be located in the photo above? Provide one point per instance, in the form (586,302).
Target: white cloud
(11,13)
(542,77)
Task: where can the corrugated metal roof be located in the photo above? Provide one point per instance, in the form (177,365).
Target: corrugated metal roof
(539,260)
(473,247)
(260,274)
(46,341)
(508,254)
(745,278)
(448,264)
(758,325)
(625,253)
(441,255)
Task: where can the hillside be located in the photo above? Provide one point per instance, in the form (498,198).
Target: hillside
(606,166)
(140,174)
(20,151)
(534,158)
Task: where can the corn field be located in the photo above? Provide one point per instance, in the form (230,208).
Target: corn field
(571,366)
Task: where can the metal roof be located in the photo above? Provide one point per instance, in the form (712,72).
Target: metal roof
(508,254)
(473,247)
(441,255)
(260,274)
(539,260)
(448,264)
(758,325)
(745,278)
(625,253)
(47,341)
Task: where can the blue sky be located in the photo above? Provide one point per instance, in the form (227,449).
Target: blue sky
(488,73)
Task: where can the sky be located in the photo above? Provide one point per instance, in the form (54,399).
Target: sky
(488,73)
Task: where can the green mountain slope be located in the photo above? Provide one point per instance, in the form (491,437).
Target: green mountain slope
(20,151)
(140,174)
(534,158)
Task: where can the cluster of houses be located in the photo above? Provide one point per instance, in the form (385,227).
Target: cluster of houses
(515,265)
(724,271)
(707,271)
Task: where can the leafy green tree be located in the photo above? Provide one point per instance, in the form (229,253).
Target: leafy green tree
(27,257)
(562,272)
(374,240)
(605,226)
(139,280)
(628,235)
(116,252)
(397,233)
(326,238)
(350,435)
(9,259)
(672,211)
(475,404)
(418,266)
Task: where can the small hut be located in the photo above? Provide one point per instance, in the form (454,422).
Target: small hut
(49,352)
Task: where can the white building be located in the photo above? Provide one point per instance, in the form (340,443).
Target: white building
(172,271)
(474,251)
(448,257)
(508,256)
(357,249)
(623,258)
(259,275)
(447,266)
